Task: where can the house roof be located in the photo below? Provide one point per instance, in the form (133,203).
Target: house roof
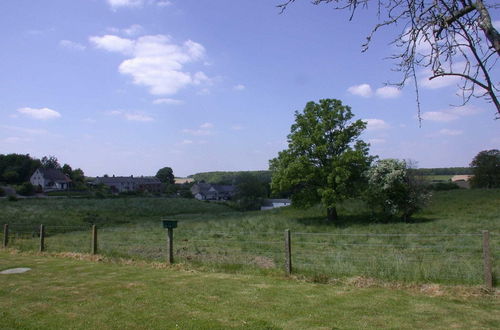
(54,174)
(126,179)
(461,178)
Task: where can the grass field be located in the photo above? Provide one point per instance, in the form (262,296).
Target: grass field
(441,245)
(80,294)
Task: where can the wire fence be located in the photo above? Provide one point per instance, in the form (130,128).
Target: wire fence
(439,258)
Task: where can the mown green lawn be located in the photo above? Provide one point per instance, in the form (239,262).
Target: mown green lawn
(80,294)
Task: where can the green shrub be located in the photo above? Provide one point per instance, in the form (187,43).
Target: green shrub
(2,192)
(440,186)
(12,198)
(27,189)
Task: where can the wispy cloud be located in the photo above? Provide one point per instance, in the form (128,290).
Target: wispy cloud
(156,61)
(451,114)
(39,114)
(71,45)
(168,101)
(376,124)
(203,130)
(450,132)
(239,87)
(237,127)
(24,130)
(132,116)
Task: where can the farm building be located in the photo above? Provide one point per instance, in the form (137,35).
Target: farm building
(120,184)
(463,181)
(50,179)
(208,191)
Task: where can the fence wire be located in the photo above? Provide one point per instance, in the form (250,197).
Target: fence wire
(451,258)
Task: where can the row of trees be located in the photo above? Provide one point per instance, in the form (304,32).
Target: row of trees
(327,162)
(17,169)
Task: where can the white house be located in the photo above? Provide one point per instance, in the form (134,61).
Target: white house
(49,179)
(269,204)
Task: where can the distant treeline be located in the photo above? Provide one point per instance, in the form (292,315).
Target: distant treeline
(220,177)
(445,171)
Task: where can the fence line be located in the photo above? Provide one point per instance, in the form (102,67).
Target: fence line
(468,256)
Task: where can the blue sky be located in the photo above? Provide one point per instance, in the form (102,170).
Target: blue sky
(129,86)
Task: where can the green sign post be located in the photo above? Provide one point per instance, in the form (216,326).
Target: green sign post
(170,225)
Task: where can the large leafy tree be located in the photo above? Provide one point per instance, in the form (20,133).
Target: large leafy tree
(454,38)
(166,175)
(325,159)
(486,169)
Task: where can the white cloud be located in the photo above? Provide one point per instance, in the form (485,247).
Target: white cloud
(376,124)
(125,3)
(156,61)
(451,114)
(113,43)
(163,3)
(138,117)
(68,44)
(115,4)
(363,90)
(41,114)
(187,142)
(168,101)
(237,127)
(31,131)
(450,132)
(388,92)
(203,130)
(239,87)
(207,125)
(132,116)
(133,30)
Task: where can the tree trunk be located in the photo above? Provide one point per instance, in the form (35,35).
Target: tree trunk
(331,214)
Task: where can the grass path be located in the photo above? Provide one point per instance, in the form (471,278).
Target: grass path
(80,294)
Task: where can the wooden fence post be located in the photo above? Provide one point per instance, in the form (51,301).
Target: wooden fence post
(5,235)
(170,245)
(94,239)
(288,252)
(488,279)
(42,238)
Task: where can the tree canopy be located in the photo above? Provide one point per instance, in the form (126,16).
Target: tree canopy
(17,168)
(166,175)
(454,38)
(486,169)
(325,159)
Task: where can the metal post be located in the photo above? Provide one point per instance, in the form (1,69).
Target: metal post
(488,279)
(170,245)
(288,252)
(94,239)
(5,235)
(42,238)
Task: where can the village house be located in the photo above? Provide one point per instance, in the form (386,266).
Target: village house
(50,179)
(212,192)
(269,204)
(119,184)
